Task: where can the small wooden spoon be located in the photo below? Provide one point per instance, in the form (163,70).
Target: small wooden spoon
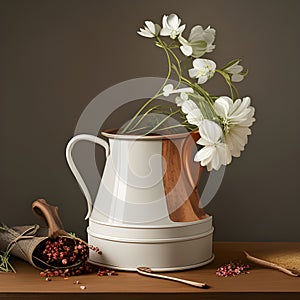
(271,265)
(148,272)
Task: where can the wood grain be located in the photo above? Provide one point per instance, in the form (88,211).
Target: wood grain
(260,283)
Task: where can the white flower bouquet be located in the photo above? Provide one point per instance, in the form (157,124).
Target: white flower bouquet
(223,122)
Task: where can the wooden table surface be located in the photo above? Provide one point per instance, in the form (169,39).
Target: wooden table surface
(260,283)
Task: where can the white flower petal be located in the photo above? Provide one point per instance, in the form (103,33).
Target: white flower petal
(188,106)
(193,72)
(249,119)
(209,167)
(240,111)
(204,142)
(237,138)
(165,31)
(211,63)
(179,101)
(195,117)
(237,78)
(168,89)
(184,96)
(235,69)
(209,35)
(199,63)
(173,21)
(181,29)
(145,33)
(205,154)
(151,26)
(247,101)
(202,79)
(216,160)
(203,69)
(196,33)
(222,106)
(200,40)
(210,131)
(210,48)
(214,156)
(186,50)
(164,21)
(234,106)
(183,90)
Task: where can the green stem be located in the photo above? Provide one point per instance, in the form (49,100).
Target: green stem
(169,64)
(137,129)
(5,264)
(178,65)
(236,91)
(144,115)
(230,85)
(162,121)
(159,91)
(170,127)
(12,268)
(200,90)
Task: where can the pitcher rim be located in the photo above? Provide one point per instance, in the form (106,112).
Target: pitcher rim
(113,134)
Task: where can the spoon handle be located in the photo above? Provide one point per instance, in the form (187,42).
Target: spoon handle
(189,282)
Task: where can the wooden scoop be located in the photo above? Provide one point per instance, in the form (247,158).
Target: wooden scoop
(50,214)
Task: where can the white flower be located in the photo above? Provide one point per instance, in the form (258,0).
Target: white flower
(236,118)
(194,115)
(203,69)
(181,99)
(150,30)
(214,153)
(169,89)
(171,26)
(235,71)
(199,42)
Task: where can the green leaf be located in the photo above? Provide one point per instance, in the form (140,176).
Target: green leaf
(158,45)
(3,227)
(174,67)
(231,63)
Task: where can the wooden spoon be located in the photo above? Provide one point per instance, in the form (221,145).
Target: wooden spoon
(271,265)
(148,272)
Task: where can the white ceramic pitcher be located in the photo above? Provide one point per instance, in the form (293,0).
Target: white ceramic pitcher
(147,204)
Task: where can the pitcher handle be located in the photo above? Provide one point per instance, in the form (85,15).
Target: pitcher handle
(72,142)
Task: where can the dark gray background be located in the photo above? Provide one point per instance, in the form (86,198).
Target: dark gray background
(56,56)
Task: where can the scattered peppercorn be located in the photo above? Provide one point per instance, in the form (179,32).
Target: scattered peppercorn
(106,272)
(232,269)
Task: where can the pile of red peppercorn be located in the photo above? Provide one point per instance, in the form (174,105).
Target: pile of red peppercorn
(62,256)
(65,257)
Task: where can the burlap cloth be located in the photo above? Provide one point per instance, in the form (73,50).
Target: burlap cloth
(22,241)
(286,258)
